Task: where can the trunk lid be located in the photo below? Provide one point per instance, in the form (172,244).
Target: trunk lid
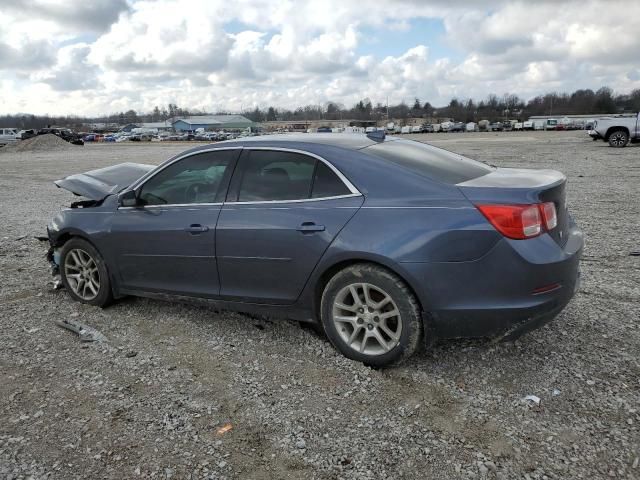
(510,186)
(97,184)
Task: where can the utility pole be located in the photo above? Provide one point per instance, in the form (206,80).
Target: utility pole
(387,108)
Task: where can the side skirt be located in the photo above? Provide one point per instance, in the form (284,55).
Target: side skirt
(290,312)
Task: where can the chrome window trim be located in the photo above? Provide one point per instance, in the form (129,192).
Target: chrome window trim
(148,176)
(354,191)
(301,200)
(165,205)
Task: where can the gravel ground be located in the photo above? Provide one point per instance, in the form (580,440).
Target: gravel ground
(187,392)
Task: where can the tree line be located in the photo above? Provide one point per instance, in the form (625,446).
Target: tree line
(493,108)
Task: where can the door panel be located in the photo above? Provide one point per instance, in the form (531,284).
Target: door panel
(266,252)
(156,250)
(167,243)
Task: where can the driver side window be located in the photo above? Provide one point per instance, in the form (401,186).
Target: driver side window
(195,179)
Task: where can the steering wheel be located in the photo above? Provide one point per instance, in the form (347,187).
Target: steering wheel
(192,191)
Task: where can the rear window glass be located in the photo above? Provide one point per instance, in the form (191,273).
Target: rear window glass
(432,162)
(327,184)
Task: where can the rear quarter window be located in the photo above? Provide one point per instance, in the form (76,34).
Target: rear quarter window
(431,162)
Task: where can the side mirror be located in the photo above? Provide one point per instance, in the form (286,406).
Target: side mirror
(128,199)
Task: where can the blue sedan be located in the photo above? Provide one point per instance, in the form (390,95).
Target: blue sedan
(383,243)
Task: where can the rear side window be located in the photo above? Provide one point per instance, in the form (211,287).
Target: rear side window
(272,175)
(432,162)
(327,184)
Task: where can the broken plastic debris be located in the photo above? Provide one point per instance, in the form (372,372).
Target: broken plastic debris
(86,333)
(556,392)
(532,398)
(224,429)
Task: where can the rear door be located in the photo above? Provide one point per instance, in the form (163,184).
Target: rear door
(283,210)
(167,244)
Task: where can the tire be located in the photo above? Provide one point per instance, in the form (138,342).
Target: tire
(361,333)
(93,286)
(618,139)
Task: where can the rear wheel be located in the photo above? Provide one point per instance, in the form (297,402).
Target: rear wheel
(370,315)
(84,273)
(618,138)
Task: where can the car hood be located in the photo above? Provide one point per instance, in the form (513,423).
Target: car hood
(97,184)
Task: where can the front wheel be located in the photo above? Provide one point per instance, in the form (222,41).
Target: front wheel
(84,273)
(618,139)
(370,315)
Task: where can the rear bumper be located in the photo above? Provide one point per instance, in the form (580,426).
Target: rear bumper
(495,296)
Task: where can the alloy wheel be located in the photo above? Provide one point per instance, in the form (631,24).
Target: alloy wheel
(81,272)
(367,319)
(618,139)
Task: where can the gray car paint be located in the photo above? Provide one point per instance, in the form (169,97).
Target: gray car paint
(468,279)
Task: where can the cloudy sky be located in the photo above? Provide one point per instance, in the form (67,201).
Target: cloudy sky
(103,56)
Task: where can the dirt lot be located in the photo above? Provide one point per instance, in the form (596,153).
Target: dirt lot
(150,402)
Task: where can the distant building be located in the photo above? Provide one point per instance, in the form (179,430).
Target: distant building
(160,126)
(212,122)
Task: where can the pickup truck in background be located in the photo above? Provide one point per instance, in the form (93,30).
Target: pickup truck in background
(618,131)
(8,135)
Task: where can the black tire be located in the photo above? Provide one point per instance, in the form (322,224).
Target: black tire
(412,329)
(618,139)
(104,295)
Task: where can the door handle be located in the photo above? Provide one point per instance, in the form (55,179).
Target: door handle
(310,227)
(196,228)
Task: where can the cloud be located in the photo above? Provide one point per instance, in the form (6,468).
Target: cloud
(106,56)
(28,56)
(73,70)
(93,16)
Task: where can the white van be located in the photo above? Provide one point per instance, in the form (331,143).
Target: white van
(406,129)
(8,135)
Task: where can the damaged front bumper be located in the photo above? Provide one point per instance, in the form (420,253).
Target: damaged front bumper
(53,257)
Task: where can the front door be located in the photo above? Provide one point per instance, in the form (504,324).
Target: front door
(167,243)
(283,211)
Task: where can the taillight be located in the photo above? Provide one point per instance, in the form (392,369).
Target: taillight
(521,221)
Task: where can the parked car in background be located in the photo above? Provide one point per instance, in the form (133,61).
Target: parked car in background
(495,127)
(471,127)
(405,129)
(290,226)
(445,126)
(427,128)
(507,126)
(8,135)
(26,134)
(457,127)
(528,125)
(64,133)
(327,129)
(618,131)
(550,124)
(416,129)
(518,126)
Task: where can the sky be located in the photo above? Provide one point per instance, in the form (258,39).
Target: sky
(107,56)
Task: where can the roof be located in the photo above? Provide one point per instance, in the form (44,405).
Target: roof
(302,141)
(156,125)
(214,119)
(349,141)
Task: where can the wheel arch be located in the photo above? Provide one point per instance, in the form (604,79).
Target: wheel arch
(65,235)
(329,271)
(610,130)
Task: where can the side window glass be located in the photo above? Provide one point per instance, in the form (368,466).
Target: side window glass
(195,179)
(327,184)
(275,175)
